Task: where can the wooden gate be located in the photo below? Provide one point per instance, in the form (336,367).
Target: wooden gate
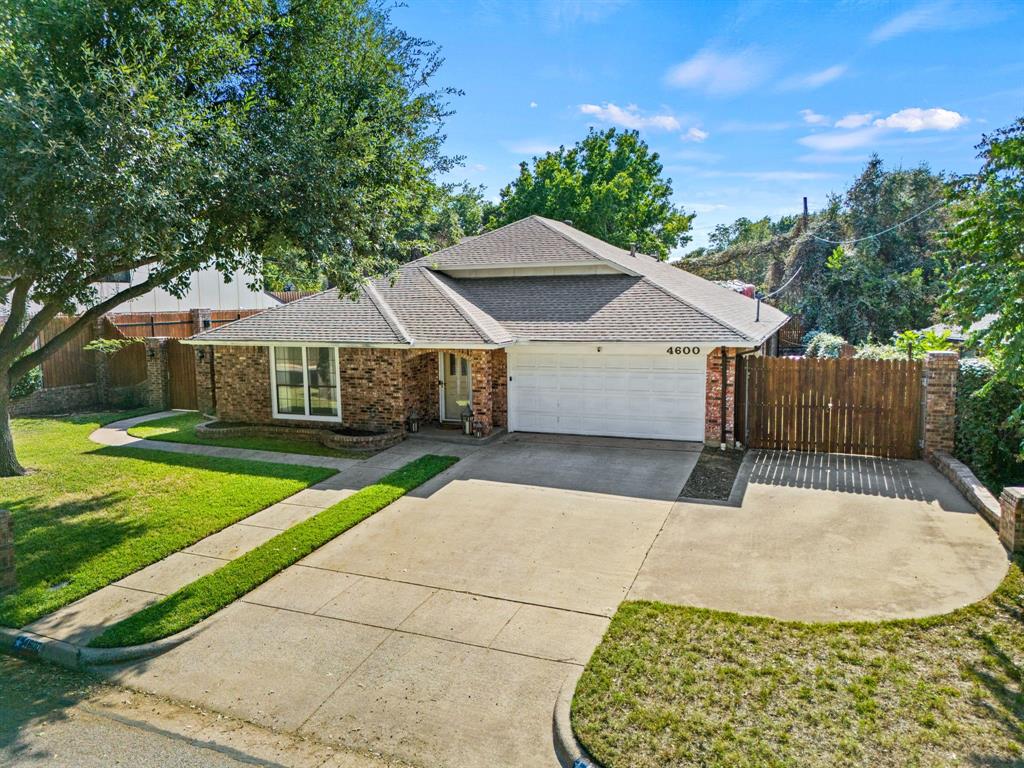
(868,407)
(181,364)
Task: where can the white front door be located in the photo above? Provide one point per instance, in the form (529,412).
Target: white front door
(455,385)
(653,391)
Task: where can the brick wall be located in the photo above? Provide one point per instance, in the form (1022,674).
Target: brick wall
(499,387)
(1011,519)
(372,392)
(158,374)
(8,579)
(940,374)
(713,397)
(206,398)
(69,399)
(420,380)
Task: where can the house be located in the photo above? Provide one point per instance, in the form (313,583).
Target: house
(535,327)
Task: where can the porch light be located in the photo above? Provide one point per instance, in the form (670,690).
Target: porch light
(467,421)
(414,420)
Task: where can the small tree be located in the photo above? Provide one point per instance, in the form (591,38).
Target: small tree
(177,136)
(609,185)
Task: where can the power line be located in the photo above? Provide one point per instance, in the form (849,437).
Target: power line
(884,231)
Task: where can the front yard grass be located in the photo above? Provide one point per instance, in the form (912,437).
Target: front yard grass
(680,686)
(88,515)
(181,428)
(208,594)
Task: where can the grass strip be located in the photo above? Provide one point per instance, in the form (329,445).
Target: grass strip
(208,594)
(87,515)
(680,686)
(181,428)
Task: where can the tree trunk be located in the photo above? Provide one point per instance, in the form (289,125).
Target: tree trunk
(9,466)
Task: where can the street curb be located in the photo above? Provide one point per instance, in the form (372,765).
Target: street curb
(20,642)
(569,751)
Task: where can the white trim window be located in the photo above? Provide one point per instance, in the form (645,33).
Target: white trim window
(304,383)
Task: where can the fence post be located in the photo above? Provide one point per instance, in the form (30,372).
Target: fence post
(940,374)
(8,578)
(102,363)
(158,378)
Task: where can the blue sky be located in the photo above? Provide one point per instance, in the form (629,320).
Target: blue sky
(751,105)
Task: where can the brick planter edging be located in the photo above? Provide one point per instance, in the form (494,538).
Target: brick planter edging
(960,475)
(326,437)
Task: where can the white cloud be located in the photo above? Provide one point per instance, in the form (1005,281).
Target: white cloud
(533,105)
(562,13)
(916,119)
(478,167)
(530,147)
(722,74)
(813,79)
(630,117)
(813,118)
(695,134)
(837,142)
(855,120)
(937,15)
(704,207)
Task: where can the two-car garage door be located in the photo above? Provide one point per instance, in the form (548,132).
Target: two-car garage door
(654,392)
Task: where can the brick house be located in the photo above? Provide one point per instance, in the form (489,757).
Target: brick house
(533,327)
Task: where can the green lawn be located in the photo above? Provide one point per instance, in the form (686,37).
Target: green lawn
(87,515)
(208,594)
(675,686)
(181,428)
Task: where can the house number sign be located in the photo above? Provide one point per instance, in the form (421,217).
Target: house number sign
(683,350)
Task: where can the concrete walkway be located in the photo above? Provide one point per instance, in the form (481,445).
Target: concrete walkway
(82,620)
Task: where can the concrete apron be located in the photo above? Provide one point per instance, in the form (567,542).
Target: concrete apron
(441,630)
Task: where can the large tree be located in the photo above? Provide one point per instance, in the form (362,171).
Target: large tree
(985,251)
(196,133)
(609,185)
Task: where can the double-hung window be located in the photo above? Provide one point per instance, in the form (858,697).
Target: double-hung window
(304,383)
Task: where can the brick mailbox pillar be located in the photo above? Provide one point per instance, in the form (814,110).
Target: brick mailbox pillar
(7,577)
(940,374)
(1011,519)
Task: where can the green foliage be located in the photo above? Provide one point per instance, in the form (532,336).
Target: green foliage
(609,185)
(88,516)
(985,251)
(210,593)
(744,250)
(988,437)
(914,344)
(110,346)
(871,350)
(822,344)
(30,382)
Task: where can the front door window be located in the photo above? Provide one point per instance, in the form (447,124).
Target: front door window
(456,384)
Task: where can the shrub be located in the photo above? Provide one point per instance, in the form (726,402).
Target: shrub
(824,344)
(28,383)
(986,440)
(874,351)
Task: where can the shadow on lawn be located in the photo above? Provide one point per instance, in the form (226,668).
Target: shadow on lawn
(216,463)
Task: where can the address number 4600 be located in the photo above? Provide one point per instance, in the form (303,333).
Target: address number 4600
(683,350)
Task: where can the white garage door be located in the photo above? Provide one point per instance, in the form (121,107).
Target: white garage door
(633,392)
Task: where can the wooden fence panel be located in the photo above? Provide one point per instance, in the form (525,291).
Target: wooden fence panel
(175,325)
(72,363)
(219,317)
(127,366)
(837,406)
(181,364)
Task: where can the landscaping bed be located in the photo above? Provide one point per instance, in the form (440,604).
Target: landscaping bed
(196,429)
(714,474)
(208,594)
(86,516)
(679,686)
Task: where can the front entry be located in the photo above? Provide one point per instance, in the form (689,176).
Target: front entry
(456,393)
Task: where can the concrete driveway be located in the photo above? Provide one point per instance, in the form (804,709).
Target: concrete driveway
(440,630)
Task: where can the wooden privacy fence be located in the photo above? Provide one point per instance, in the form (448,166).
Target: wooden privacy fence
(181,371)
(71,363)
(127,366)
(870,407)
(175,325)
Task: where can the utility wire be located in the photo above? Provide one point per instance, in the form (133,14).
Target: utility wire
(884,231)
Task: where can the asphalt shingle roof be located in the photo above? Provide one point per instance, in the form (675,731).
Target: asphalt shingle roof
(648,301)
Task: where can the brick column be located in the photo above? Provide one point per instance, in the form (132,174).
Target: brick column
(717,373)
(1011,519)
(158,378)
(8,581)
(940,374)
(201,320)
(205,394)
(482,386)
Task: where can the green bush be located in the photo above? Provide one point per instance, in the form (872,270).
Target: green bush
(822,344)
(28,383)
(873,351)
(986,440)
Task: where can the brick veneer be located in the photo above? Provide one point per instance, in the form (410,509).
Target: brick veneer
(1011,519)
(940,374)
(206,398)
(379,387)
(158,373)
(713,398)
(8,578)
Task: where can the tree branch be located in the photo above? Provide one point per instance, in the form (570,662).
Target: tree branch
(25,364)
(19,303)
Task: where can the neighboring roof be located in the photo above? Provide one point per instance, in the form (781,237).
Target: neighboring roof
(649,300)
(958,334)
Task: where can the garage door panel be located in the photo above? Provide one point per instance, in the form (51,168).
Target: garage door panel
(626,395)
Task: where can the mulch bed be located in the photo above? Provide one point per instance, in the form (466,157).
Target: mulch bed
(713,476)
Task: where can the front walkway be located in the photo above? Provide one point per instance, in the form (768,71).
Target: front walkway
(82,620)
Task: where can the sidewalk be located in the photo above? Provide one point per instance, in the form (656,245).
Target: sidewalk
(84,619)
